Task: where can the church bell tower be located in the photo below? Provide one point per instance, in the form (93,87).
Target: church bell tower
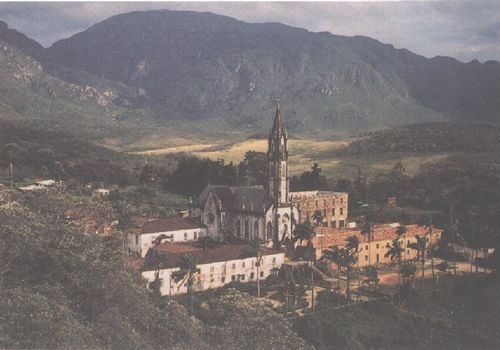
(277,156)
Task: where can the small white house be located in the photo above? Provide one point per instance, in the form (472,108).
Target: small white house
(217,266)
(169,229)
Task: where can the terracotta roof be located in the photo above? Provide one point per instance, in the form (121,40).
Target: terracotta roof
(172,223)
(221,252)
(381,232)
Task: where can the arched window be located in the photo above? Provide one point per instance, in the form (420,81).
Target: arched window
(256,229)
(269,230)
(246,229)
(238,229)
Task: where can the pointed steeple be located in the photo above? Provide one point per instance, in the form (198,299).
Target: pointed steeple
(278,122)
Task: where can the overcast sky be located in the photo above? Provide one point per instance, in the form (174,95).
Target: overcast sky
(464,30)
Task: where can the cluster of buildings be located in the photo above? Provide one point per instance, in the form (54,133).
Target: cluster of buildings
(231,217)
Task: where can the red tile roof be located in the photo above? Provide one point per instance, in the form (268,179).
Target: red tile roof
(221,252)
(171,223)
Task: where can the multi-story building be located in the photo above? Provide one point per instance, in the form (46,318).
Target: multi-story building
(372,248)
(218,265)
(332,206)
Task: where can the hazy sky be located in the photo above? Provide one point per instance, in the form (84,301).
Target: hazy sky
(462,29)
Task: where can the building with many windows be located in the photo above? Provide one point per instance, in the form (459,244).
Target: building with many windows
(332,206)
(217,265)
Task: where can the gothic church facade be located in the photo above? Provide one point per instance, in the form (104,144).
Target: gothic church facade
(251,212)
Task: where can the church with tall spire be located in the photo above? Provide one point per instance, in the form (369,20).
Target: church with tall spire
(253,212)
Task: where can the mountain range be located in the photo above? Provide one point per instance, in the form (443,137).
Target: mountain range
(200,67)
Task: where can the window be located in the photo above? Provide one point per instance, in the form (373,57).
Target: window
(252,275)
(377,245)
(341,211)
(223,279)
(366,257)
(136,240)
(408,250)
(316,203)
(333,211)
(195,235)
(407,242)
(256,229)
(366,247)
(378,258)
(242,277)
(262,274)
(233,278)
(341,223)
(324,203)
(243,264)
(334,224)
(341,200)
(211,278)
(246,229)
(274,260)
(324,212)
(211,218)
(185,236)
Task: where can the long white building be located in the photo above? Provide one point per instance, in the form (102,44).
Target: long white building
(218,265)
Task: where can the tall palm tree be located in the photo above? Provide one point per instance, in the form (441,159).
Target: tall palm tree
(426,221)
(334,255)
(187,270)
(400,231)
(348,260)
(420,246)
(353,244)
(371,274)
(258,259)
(366,230)
(395,253)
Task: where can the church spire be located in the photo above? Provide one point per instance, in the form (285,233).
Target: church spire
(277,156)
(278,122)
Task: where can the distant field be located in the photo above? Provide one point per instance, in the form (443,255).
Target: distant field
(303,153)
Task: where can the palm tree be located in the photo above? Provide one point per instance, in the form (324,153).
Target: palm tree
(366,230)
(303,232)
(334,255)
(353,244)
(400,231)
(395,254)
(426,221)
(348,260)
(187,270)
(317,217)
(258,259)
(372,278)
(420,247)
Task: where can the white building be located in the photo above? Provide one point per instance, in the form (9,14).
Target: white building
(169,229)
(217,266)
